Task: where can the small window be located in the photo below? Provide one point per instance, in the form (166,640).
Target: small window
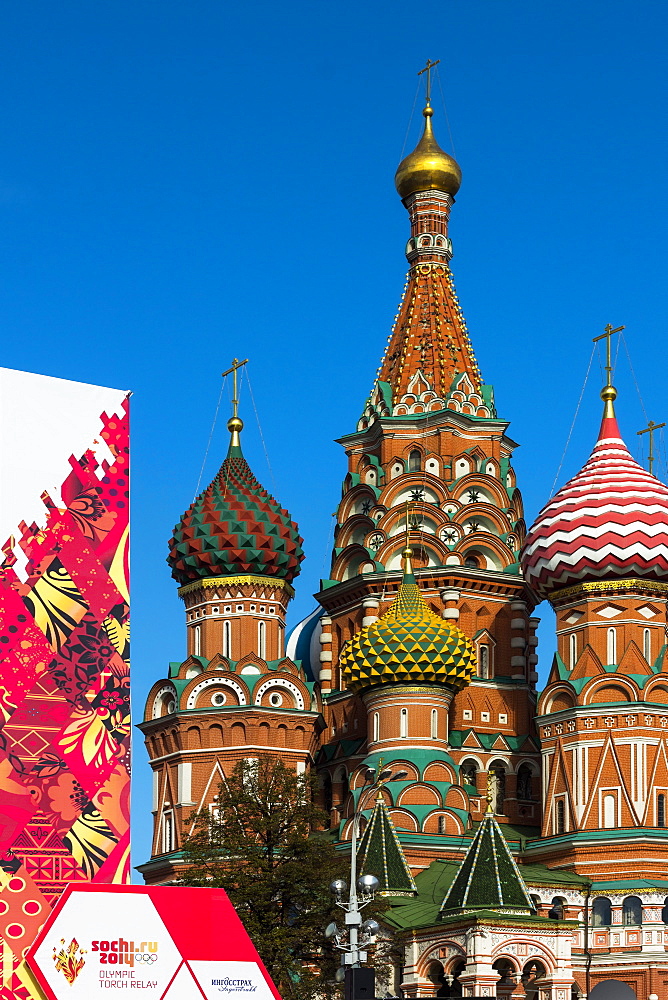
(647,644)
(275,699)
(434,724)
(167,832)
(573,647)
(240,607)
(403,723)
(376,726)
(218,699)
(612,646)
(467,715)
(609,812)
(216,611)
(227,639)
(601,912)
(414,461)
(557,910)
(441,824)
(661,810)
(483,662)
(197,645)
(262,640)
(484,716)
(503,719)
(632,910)
(561,816)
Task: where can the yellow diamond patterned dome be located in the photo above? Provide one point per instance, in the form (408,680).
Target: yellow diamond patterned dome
(408,644)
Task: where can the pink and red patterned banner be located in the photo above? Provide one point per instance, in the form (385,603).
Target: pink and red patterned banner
(64,650)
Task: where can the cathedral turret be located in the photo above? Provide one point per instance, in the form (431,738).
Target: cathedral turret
(235,553)
(598,551)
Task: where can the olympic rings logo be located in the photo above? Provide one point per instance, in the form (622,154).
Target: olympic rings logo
(145,957)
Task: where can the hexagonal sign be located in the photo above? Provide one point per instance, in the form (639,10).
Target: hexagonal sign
(167,941)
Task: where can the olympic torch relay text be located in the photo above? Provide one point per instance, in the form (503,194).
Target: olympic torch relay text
(169,942)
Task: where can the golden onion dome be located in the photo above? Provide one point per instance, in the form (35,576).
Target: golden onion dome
(409,644)
(428,167)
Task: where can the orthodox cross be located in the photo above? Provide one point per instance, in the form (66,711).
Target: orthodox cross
(608,335)
(651,427)
(427,69)
(236,365)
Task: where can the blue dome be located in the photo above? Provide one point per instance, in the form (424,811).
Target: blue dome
(304,643)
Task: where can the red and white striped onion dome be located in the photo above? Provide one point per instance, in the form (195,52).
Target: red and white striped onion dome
(609,522)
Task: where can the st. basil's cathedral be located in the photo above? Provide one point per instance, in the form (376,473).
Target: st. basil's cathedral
(523,846)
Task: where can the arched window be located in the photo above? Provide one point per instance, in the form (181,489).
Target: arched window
(609,812)
(573,648)
(434,724)
(468,771)
(483,661)
(601,912)
(524,789)
(197,645)
(647,645)
(661,810)
(403,723)
(632,910)
(561,816)
(227,639)
(441,824)
(262,639)
(327,797)
(376,726)
(557,910)
(436,975)
(612,646)
(498,788)
(414,461)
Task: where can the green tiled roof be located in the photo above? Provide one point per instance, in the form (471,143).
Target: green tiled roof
(488,878)
(380,854)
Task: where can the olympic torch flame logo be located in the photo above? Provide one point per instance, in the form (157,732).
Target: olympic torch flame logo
(70,961)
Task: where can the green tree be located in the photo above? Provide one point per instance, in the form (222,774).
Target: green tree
(262,848)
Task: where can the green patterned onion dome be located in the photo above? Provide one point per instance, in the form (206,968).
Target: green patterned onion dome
(235,528)
(409,644)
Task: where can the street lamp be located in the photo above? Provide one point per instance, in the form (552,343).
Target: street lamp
(362,890)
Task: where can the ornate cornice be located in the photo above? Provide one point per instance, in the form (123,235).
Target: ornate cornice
(609,587)
(227,581)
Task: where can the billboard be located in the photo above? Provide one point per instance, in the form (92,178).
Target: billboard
(167,941)
(64,655)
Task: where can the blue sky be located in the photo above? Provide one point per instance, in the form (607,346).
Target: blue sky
(181,183)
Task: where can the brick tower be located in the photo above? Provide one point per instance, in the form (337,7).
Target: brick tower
(598,552)
(430,447)
(234,553)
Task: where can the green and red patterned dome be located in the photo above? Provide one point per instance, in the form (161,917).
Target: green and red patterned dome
(235,528)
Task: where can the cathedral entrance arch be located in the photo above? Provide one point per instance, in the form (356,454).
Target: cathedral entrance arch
(612,989)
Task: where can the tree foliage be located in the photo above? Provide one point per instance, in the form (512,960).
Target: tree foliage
(259,845)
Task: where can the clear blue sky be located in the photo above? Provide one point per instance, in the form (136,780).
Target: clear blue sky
(185,182)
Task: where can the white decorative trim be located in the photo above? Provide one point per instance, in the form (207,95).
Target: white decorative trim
(283,683)
(157,703)
(224,681)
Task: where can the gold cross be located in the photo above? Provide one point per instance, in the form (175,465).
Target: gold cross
(236,365)
(428,68)
(651,427)
(608,334)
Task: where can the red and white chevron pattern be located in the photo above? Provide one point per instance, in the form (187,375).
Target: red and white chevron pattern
(610,520)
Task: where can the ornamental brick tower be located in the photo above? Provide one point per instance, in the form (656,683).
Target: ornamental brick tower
(598,552)
(234,553)
(430,447)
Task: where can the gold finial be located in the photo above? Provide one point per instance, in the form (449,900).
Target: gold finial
(608,392)
(427,69)
(407,552)
(235,423)
(490,794)
(428,167)
(651,427)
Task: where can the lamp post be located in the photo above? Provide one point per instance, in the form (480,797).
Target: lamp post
(359,983)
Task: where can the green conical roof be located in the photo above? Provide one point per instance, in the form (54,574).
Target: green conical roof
(488,878)
(380,854)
